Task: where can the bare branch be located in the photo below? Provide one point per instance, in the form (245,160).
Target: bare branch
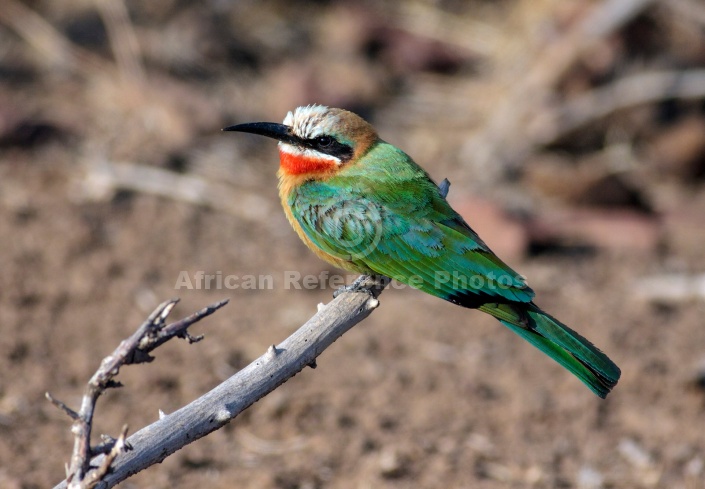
(135,349)
(211,411)
(178,329)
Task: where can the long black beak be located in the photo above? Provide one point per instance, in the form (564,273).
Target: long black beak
(280,132)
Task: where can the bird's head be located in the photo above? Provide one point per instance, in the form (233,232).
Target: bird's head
(316,141)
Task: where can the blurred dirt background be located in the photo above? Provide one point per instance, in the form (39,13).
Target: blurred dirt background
(573,132)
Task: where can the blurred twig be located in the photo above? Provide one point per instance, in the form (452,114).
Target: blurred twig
(50,43)
(671,288)
(123,39)
(429,21)
(621,94)
(61,53)
(503,141)
(102,179)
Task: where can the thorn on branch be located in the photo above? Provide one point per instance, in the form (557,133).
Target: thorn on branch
(138,356)
(105,447)
(272,352)
(113,384)
(191,339)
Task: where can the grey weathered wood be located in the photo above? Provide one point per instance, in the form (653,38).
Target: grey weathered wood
(152,333)
(216,408)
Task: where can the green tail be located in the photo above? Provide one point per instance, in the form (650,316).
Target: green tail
(558,341)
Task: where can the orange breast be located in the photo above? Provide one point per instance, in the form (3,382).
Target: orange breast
(295,164)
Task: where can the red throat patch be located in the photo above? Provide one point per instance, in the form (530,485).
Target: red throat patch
(293,164)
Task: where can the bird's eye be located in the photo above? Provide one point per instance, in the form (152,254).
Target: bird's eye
(324,142)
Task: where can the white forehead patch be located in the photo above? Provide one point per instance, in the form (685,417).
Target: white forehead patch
(310,121)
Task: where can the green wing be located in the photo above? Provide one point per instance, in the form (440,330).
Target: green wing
(387,216)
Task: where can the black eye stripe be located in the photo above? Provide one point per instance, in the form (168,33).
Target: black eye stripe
(331,146)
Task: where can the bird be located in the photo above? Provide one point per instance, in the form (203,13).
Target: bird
(363,205)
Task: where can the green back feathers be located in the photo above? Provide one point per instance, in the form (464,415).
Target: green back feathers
(386,216)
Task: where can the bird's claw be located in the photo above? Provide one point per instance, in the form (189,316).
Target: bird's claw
(356,286)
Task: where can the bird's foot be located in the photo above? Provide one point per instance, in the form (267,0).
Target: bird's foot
(357,286)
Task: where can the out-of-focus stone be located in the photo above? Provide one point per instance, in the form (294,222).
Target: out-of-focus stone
(504,234)
(614,229)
